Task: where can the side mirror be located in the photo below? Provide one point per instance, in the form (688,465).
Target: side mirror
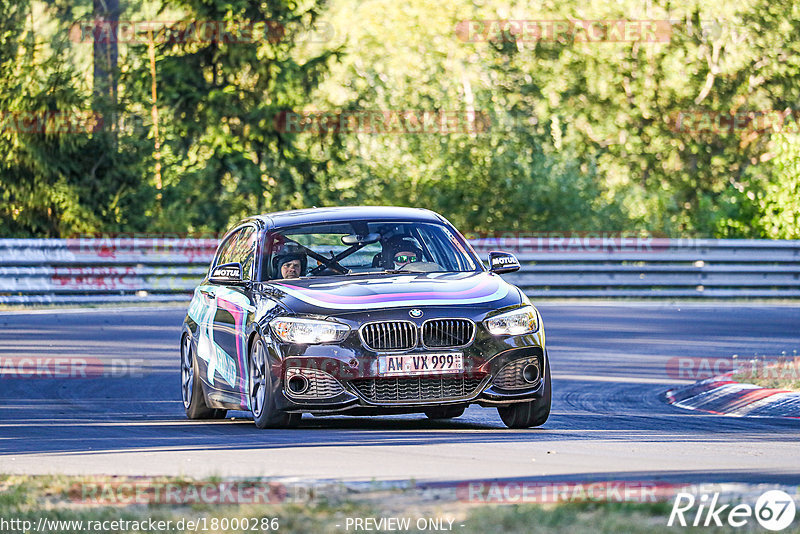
(502,262)
(227,274)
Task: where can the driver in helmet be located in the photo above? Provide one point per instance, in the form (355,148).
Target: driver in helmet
(290,262)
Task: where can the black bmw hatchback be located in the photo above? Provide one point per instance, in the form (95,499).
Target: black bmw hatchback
(360,311)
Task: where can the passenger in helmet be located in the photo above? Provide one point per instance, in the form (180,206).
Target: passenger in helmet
(400,251)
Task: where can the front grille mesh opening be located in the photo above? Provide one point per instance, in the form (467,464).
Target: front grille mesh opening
(510,376)
(447,332)
(415,389)
(389,335)
(321,384)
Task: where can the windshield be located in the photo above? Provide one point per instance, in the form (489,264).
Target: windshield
(366,247)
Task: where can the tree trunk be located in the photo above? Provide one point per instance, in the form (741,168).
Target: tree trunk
(106,19)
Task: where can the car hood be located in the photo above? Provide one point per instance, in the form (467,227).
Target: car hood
(344,294)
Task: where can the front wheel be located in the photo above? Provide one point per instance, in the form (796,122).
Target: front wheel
(262,400)
(529,414)
(194,403)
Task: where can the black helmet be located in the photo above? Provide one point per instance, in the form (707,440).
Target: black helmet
(399,244)
(288,252)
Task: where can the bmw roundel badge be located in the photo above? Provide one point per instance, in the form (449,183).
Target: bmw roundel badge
(415,312)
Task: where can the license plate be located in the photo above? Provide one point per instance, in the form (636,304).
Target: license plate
(431,363)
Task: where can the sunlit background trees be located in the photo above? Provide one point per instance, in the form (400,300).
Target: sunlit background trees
(583,136)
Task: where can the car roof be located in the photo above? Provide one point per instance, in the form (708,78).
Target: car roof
(345,214)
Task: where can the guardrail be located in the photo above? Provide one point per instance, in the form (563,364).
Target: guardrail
(87,270)
(652,267)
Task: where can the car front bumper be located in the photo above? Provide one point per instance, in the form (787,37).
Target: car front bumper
(362,390)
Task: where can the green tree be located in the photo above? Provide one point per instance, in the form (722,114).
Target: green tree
(224,156)
(625,105)
(780,200)
(59,176)
(509,177)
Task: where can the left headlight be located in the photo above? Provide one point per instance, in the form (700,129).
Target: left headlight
(308,331)
(516,322)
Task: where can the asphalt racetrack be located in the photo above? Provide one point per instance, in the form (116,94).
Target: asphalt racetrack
(609,363)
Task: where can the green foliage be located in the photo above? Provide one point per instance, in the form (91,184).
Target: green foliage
(59,177)
(224,157)
(509,176)
(780,202)
(619,103)
(582,135)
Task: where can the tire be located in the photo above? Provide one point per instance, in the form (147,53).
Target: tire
(445,412)
(529,414)
(259,391)
(194,402)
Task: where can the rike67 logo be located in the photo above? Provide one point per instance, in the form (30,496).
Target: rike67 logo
(774,510)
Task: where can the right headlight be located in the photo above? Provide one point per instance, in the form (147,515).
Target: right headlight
(308,331)
(516,322)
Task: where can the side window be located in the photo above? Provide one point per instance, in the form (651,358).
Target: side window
(224,252)
(245,251)
(239,247)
